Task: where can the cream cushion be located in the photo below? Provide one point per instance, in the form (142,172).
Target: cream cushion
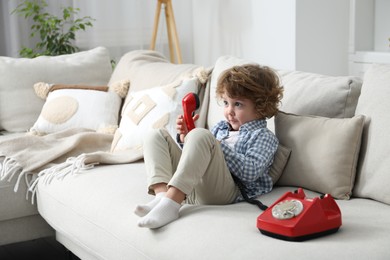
(324,152)
(320,95)
(373,176)
(156,107)
(148,68)
(18,75)
(314,94)
(280,160)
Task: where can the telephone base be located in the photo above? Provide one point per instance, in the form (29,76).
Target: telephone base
(294,217)
(299,238)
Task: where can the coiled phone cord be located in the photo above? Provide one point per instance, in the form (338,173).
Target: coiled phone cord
(241,187)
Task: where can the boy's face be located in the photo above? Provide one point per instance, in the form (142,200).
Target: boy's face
(238,111)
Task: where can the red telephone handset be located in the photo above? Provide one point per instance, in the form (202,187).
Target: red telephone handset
(190,103)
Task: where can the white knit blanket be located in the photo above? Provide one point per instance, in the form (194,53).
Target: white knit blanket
(43,158)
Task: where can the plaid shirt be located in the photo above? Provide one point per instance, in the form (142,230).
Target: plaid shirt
(252,156)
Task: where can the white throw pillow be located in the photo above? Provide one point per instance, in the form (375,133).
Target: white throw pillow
(79,106)
(373,177)
(324,152)
(157,107)
(20,107)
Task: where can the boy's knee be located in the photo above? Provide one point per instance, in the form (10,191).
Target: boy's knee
(154,134)
(199,135)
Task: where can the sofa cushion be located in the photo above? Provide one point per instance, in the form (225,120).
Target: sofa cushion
(71,106)
(20,107)
(324,152)
(93,215)
(280,161)
(147,68)
(304,93)
(14,204)
(156,107)
(373,176)
(314,94)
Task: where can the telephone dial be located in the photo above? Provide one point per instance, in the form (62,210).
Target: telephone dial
(295,217)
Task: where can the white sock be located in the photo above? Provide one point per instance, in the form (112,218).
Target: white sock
(142,210)
(164,212)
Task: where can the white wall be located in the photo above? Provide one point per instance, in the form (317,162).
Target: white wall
(272,38)
(308,35)
(322,36)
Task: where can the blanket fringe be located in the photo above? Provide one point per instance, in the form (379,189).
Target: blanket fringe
(8,168)
(72,165)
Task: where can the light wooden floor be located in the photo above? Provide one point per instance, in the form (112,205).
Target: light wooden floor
(38,249)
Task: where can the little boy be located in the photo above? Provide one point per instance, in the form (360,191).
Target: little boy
(241,145)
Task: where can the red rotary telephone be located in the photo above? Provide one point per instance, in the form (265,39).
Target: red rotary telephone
(190,103)
(294,217)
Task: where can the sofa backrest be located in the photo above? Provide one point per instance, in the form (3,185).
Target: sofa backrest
(304,93)
(373,178)
(320,129)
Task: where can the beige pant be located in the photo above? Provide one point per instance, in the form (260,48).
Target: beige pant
(199,170)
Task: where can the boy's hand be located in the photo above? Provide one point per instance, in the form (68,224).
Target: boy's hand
(181,126)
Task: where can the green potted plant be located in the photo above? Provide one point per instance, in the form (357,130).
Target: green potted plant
(56,34)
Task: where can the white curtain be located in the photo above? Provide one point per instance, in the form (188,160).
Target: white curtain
(14,30)
(222,28)
(120,25)
(301,35)
(258,30)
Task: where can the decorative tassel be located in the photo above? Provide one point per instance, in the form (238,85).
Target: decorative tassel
(121,87)
(202,74)
(42,89)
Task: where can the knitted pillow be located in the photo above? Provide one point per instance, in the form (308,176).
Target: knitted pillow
(157,107)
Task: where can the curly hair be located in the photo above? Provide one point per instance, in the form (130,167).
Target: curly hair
(260,84)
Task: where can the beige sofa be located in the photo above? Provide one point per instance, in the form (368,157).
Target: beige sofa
(333,129)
